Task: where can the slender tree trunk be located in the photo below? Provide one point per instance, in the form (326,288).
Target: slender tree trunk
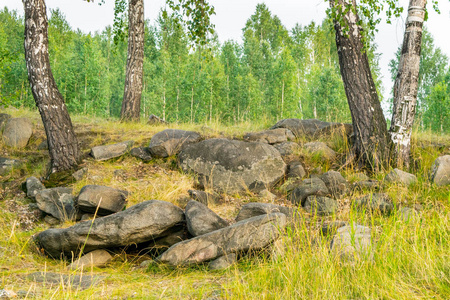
(131,104)
(62,142)
(407,83)
(372,140)
(282,100)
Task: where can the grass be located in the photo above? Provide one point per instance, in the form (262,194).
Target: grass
(411,258)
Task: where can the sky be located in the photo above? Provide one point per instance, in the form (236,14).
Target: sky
(231,16)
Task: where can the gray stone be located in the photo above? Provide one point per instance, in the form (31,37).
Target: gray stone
(17,132)
(352,243)
(108,200)
(343,129)
(57,202)
(287,149)
(3,119)
(82,281)
(254,209)
(223,262)
(155,120)
(142,153)
(320,148)
(140,223)
(204,197)
(33,186)
(8,164)
(266,194)
(170,141)
(85,217)
(320,205)
(440,171)
(272,136)
(80,174)
(251,234)
(360,176)
(52,221)
(401,177)
(233,166)
(111,151)
(375,202)
(300,127)
(309,187)
(96,258)
(336,184)
(330,228)
(201,220)
(296,170)
(371,184)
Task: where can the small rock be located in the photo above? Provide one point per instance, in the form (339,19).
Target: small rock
(375,202)
(360,177)
(155,120)
(308,187)
(142,153)
(57,202)
(271,136)
(399,176)
(82,282)
(170,141)
(266,194)
(204,197)
(105,200)
(17,132)
(336,184)
(201,220)
(8,164)
(287,149)
(33,186)
(52,221)
(320,205)
(371,184)
(223,262)
(111,151)
(96,258)
(85,217)
(331,227)
(254,209)
(80,174)
(352,243)
(296,170)
(320,148)
(408,214)
(440,171)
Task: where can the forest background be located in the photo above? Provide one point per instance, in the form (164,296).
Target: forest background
(274,73)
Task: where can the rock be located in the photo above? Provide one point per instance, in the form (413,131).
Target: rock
(331,227)
(96,258)
(401,177)
(140,223)
(352,243)
(336,184)
(343,129)
(3,119)
(440,171)
(108,200)
(266,194)
(170,240)
(33,186)
(52,221)
(287,149)
(111,151)
(80,174)
(300,127)
(17,132)
(375,202)
(271,136)
(201,220)
(170,141)
(142,153)
(367,184)
(155,120)
(254,209)
(320,205)
(223,262)
(43,145)
(360,176)
(8,164)
(320,148)
(85,217)
(250,234)
(408,214)
(57,202)
(82,281)
(233,166)
(296,170)
(308,187)
(204,197)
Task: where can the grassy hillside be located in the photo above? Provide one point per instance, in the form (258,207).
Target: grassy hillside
(411,256)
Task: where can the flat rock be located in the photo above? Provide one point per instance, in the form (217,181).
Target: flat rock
(108,200)
(254,209)
(272,136)
(440,171)
(33,186)
(375,202)
(352,243)
(335,182)
(320,205)
(296,170)
(320,148)
(201,220)
(8,164)
(223,262)
(204,197)
(96,258)
(250,234)
(401,177)
(82,282)
(57,202)
(140,223)
(309,187)
(142,153)
(233,166)
(17,132)
(170,141)
(111,151)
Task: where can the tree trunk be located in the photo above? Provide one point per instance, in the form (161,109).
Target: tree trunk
(61,139)
(407,83)
(131,104)
(372,140)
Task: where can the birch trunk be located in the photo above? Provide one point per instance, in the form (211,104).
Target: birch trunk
(131,104)
(407,83)
(62,142)
(372,139)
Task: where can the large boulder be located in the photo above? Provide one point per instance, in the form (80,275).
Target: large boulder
(309,187)
(17,132)
(57,202)
(440,171)
(201,220)
(111,151)
(272,136)
(8,164)
(33,186)
(313,128)
(140,223)
(108,200)
(335,182)
(254,209)
(170,141)
(401,177)
(233,166)
(250,234)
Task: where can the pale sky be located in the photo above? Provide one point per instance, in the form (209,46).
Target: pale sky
(231,16)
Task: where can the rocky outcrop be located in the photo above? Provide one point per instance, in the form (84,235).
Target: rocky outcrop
(170,141)
(111,151)
(233,166)
(440,171)
(96,258)
(17,132)
(201,220)
(57,202)
(108,200)
(272,136)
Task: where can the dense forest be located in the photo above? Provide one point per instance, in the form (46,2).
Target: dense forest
(273,73)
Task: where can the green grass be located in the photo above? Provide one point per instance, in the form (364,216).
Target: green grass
(411,258)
